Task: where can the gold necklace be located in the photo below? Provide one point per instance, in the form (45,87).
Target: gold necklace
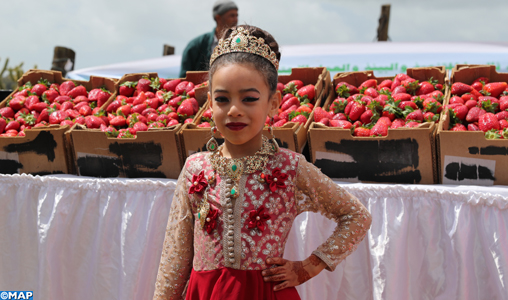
(234,168)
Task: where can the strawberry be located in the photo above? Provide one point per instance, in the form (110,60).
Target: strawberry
(488,121)
(286,98)
(459,88)
(280,87)
(93,122)
(292,101)
(474,114)
(118,121)
(17,103)
(482,80)
(371,92)
(144,85)
(39,106)
(39,89)
(459,127)
(3,124)
(148,111)
(79,90)
(369,116)
(367,84)
(404,104)
(170,86)
(344,89)
(62,99)
(320,114)
(471,103)
(153,103)
(304,108)
(456,99)
(341,124)
(411,85)
(413,115)
(425,88)
(6,112)
(184,87)
(494,89)
(124,110)
(67,105)
(430,117)
(185,109)
(477,86)
(502,115)
(503,103)
(503,124)
(473,127)
(100,95)
(380,129)
(325,121)
(468,96)
(402,97)
(306,94)
(195,104)
(163,118)
(280,123)
(85,111)
(12,125)
(50,96)
(113,106)
(127,88)
(461,111)
(357,109)
(412,124)
(57,117)
(80,99)
(138,108)
(338,105)
(397,123)
(292,87)
(299,119)
(387,83)
(398,90)
(172,122)
(361,131)
(339,116)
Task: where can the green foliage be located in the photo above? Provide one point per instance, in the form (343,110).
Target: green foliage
(9,75)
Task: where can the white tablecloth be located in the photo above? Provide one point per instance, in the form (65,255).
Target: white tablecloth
(68,237)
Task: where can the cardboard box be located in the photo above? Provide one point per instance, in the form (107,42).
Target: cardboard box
(43,150)
(292,136)
(154,153)
(467,157)
(405,155)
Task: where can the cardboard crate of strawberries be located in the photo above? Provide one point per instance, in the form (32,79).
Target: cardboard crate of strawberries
(472,135)
(136,134)
(35,116)
(302,90)
(379,129)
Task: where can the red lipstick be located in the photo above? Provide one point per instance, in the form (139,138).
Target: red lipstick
(235,126)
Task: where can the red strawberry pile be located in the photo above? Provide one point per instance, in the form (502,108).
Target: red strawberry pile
(149,103)
(481,106)
(47,103)
(371,108)
(296,105)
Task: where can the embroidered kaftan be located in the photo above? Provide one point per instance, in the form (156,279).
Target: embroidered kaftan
(232,244)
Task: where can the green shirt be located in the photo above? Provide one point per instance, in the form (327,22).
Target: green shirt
(196,55)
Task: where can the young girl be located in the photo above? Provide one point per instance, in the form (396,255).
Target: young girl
(234,205)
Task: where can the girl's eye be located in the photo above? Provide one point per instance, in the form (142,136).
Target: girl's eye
(250,99)
(221,99)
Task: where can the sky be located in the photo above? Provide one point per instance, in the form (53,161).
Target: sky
(113,31)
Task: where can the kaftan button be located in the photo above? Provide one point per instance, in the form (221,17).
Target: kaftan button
(231,232)
(275,179)
(195,183)
(231,260)
(258,218)
(208,219)
(230,243)
(231,255)
(231,249)
(230,210)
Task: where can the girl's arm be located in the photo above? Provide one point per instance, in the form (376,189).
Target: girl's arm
(318,193)
(178,250)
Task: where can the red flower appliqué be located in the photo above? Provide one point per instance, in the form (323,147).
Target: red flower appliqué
(258,218)
(276,180)
(211,220)
(199,183)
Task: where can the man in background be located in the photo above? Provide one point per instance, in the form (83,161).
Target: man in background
(196,55)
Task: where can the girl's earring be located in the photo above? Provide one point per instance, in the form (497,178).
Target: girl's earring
(275,146)
(212,144)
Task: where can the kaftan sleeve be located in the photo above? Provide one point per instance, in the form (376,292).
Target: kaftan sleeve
(178,249)
(316,192)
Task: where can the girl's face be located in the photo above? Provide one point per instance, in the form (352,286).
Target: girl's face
(240,100)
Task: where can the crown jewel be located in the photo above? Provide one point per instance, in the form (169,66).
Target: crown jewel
(241,41)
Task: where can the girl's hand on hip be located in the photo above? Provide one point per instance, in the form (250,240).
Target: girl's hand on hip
(292,273)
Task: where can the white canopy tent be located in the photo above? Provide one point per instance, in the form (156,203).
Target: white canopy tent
(385,58)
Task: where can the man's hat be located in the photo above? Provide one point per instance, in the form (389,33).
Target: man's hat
(222,6)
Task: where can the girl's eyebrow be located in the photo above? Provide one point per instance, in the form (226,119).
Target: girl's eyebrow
(241,91)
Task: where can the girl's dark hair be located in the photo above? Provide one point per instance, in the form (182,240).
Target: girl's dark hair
(263,65)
